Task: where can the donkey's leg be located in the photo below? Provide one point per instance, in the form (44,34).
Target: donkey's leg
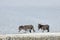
(33,30)
(30,30)
(25,31)
(42,30)
(48,30)
(19,30)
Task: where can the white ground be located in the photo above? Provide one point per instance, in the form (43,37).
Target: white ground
(31,35)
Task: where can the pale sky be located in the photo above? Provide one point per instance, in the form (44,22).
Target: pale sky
(21,12)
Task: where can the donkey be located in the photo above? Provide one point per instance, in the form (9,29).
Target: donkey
(43,27)
(26,27)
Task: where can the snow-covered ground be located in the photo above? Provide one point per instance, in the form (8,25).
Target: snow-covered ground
(31,36)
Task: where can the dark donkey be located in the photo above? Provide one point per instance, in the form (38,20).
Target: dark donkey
(27,27)
(43,27)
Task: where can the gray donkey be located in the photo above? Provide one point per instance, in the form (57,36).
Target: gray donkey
(43,27)
(26,27)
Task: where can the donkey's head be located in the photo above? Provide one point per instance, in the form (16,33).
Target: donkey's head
(39,26)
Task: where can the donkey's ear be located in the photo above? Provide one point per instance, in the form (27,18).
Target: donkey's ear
(38,24)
